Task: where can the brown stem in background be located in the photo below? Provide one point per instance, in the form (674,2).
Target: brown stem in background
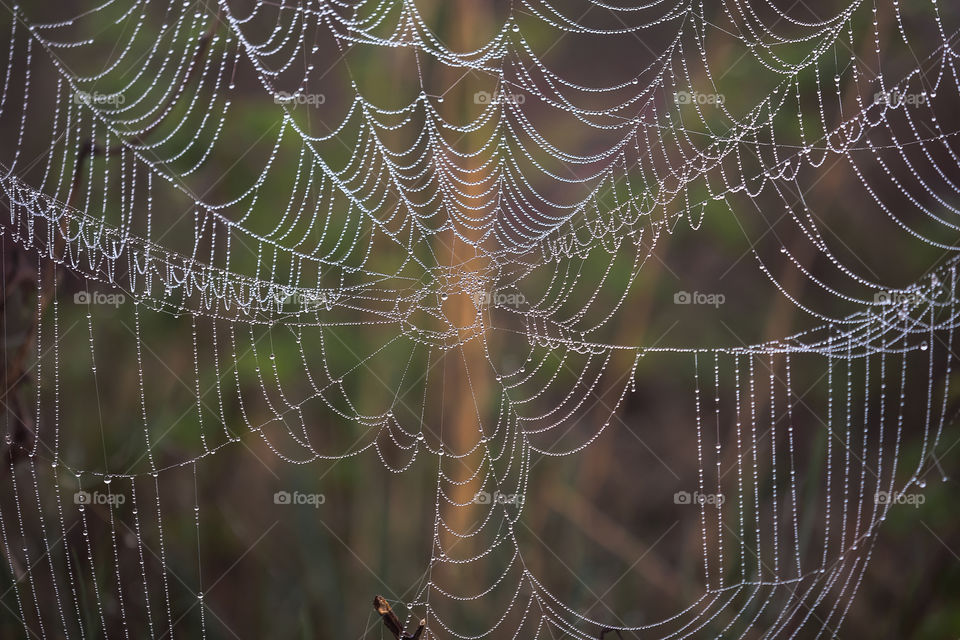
(16,371)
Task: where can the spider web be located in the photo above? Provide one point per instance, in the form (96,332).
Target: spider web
(506,245)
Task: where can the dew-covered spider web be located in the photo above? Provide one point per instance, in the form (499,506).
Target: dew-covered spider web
(418,234)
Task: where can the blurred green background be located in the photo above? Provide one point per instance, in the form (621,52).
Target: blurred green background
(602,521)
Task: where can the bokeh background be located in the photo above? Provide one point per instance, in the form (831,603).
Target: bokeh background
(600,527)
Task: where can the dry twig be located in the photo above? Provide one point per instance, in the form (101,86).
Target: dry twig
(392,622)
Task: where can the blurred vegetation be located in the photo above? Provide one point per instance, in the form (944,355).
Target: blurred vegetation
(599,522)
